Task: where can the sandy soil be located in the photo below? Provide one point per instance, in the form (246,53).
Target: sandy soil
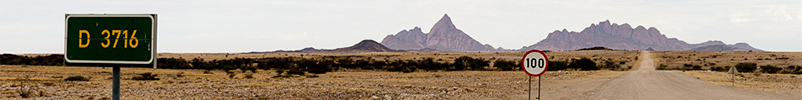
(194,84)
(642,83)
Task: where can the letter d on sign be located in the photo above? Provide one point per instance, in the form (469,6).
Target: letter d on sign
(80,39)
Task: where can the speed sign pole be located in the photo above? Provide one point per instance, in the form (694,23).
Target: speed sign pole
(534,63)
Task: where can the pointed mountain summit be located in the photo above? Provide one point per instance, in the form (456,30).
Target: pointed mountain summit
(444,24)
(444,35)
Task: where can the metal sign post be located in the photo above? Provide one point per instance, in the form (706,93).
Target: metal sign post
(733,71)
(534,63)
(116,84)
(110,40)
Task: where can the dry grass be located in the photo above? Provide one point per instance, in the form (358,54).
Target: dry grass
(707,59)
(364,84)
(334,85)
(777,83)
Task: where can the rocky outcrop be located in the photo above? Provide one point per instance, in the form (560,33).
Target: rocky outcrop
(365,46)
(619,37)
(444,35)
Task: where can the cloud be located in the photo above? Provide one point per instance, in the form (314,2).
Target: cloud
(779,13)
(738,18)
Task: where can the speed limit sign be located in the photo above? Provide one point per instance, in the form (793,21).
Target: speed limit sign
(535,63)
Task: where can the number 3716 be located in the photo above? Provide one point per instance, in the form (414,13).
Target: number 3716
(132,41)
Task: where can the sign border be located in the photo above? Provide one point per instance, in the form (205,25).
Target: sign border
(153,38)
(544,69)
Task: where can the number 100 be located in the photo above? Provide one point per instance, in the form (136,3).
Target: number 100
(535,62)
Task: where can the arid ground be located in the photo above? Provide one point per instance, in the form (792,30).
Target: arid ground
(641,82)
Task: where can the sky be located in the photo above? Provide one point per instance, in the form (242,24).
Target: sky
(212,26)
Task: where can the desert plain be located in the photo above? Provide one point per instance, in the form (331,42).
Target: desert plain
(639,79)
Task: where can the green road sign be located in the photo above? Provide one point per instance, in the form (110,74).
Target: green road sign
(110,39)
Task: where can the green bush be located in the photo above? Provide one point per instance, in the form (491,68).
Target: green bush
(146,76)
(76,78)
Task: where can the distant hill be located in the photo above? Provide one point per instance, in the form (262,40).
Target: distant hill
(595,48)
(620,37)
(443,36)
(365,46)
(718,48)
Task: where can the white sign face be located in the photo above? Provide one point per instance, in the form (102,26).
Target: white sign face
(535,63)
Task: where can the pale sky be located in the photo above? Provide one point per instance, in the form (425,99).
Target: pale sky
(31,26)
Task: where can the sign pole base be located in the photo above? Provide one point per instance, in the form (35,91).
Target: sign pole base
(530,88)
(538,87)
(116,85)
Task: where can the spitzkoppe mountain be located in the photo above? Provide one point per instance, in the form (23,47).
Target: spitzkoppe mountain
(620,37)
(443,36)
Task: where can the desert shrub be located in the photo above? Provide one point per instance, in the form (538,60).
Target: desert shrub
(583,64)
(319,70)
(557,65)
(746,67)
(227,68)
(76,78)
(146,76)
(26,87)
(248,68)
(610,65)
(11,59)
(248,75)
(464,62)
(719,69)
(505,65)
(769,69)
(295,71)
(312,76)
(696,67)
(410,69)
(173,63)
(662,67)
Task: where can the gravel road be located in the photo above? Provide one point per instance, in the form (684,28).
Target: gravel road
(648,83)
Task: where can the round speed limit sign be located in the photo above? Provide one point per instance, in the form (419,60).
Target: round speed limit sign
(535,63)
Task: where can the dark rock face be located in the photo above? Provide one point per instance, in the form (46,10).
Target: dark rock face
(614,36)
(443,36)
(365,46)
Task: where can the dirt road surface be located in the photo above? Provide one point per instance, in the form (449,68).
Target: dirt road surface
(646,83)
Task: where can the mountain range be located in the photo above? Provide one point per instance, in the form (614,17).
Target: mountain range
(621,37)
(445,36)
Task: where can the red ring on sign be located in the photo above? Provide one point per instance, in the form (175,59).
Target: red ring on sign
(544,69)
